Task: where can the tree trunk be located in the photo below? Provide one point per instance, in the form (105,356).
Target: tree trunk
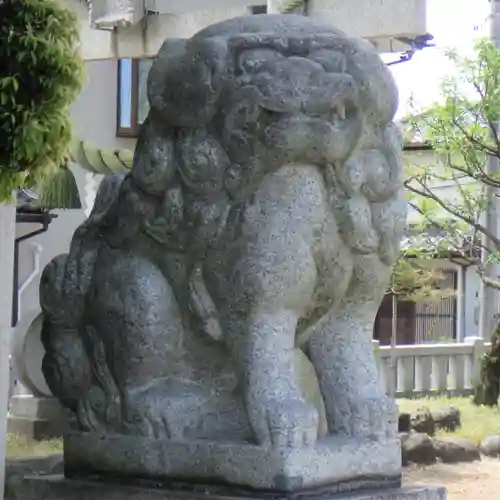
(488,389)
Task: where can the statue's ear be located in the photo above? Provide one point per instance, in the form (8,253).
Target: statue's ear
(185,80)
(107,193)
(50,286)
(378,90)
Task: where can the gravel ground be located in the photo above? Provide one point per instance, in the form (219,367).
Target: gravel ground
(469,481)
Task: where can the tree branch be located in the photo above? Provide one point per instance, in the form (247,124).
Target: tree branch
(479,227)
(491,125)
(483,147)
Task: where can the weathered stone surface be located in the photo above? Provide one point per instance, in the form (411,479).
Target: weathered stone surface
(17,469)
(333,461)
(422,421)
(490,446)
(262,215)
(58,488)
(447,418)
(455,449)
(309,387)
(418,448)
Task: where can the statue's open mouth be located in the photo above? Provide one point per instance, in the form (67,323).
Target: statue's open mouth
(329,137)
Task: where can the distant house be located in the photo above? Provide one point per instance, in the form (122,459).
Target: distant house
(453,318)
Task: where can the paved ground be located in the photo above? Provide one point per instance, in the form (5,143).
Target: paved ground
(470,481)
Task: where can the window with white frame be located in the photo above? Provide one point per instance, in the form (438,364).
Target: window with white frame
(133,105)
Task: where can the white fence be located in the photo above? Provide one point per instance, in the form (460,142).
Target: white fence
(431,369)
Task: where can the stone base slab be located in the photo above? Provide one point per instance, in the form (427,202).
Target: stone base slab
(348,463)
(58,488)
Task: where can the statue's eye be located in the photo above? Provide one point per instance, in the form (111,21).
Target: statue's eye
(258,60)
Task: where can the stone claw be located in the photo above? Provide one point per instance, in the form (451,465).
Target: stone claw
(291,423)
(374,418)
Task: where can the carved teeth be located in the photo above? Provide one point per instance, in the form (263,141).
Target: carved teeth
(339,110)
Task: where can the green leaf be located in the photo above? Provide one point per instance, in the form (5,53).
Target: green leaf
(449,189)
(40,39)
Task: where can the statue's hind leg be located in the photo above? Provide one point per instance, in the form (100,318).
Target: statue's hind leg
(133,311)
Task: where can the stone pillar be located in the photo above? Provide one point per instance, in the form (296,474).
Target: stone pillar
(33,412)
(7,232)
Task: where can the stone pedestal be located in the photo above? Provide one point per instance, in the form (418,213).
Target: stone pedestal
(37,418)
(58,488)
(340,463)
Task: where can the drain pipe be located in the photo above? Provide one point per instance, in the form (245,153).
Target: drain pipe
(44,218)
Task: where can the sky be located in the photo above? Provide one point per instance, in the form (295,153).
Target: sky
(454,24)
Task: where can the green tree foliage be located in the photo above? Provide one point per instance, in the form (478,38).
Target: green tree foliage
(292,6)
(40,75)
(414,281)
(462,130)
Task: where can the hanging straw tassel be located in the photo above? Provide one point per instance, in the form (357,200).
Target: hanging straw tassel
(59,190)
(292,6)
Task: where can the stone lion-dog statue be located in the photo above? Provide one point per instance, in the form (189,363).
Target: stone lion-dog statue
(226,288)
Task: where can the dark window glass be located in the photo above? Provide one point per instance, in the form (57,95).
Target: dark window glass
(259,9)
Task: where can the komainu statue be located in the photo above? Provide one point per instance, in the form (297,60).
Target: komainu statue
(213,317)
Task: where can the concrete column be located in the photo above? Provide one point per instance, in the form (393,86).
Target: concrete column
(7,234)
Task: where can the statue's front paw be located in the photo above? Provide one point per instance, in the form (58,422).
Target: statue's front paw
(373,417)
(288,423)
